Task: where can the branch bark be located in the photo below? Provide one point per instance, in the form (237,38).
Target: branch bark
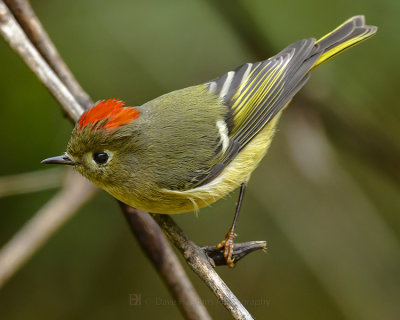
(150,236)
(16,38)
(13,254)
(74,103)
(32,27)
(216,257)
(31,181)
(198,261)
(44,224)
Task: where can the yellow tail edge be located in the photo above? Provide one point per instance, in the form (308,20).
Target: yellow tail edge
(348,34)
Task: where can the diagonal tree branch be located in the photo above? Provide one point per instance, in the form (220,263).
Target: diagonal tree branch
(198,261)
(76,192)
(146,231)
(191,305)
(32,27)
(31,181)
(11,31)
(16,38)
(216,257)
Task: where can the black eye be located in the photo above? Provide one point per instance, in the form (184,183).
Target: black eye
(100,157)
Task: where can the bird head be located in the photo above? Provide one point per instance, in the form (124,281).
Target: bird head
(103,143)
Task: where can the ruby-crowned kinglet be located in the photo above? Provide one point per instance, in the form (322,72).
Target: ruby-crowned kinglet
(188,148)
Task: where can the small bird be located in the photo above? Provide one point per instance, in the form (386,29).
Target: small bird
(188,148)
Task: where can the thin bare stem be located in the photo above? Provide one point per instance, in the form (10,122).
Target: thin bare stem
(16,38)
(240,250)
(41,227)
(164,259)
(198,261)
(31,181)
(14,258)
(34,30)
(12,32)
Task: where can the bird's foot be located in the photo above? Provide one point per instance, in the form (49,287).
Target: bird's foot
(228,244)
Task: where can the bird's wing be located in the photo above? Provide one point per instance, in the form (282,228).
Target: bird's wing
(256,92)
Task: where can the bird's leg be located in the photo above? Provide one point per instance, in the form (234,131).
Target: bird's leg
(228,242)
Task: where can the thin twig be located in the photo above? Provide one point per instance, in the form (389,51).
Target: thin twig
(12,32)
(41,227)
(240,250)
(16,38)
(31,181)
(198,261)
(160,253)
(32,27)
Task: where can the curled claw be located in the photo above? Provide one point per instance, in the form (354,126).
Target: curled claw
(228,244)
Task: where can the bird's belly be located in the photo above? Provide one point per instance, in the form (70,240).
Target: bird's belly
(173,201)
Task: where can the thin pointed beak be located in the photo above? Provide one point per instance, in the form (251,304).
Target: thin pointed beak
(64,159)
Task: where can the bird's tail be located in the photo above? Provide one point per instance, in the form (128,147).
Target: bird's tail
(348,34)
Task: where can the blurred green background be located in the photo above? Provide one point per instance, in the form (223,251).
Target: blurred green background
(326,197)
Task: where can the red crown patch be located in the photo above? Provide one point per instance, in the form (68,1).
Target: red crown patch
(112,110)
